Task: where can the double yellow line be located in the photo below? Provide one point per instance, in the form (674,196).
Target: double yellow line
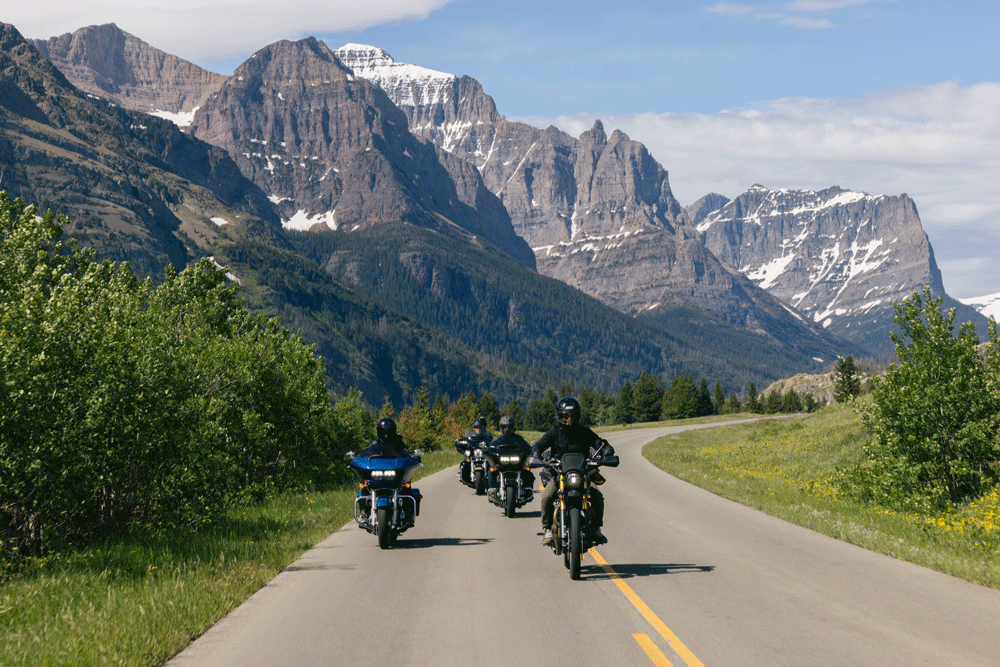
(655,654)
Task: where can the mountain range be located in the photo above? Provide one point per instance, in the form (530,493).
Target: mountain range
(369,202)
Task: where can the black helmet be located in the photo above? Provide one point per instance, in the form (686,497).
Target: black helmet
(386,428)
(479,426)
(568,411)
(506,424)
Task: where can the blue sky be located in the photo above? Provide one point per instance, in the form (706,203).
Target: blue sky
(882,96)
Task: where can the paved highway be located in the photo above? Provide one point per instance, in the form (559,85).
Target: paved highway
(686,579)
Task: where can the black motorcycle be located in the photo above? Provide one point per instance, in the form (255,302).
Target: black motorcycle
(473,470)
(510,486)
(571,521)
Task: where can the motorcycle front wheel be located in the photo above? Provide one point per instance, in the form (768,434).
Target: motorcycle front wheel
(575,543)
(511,504)
(383,530)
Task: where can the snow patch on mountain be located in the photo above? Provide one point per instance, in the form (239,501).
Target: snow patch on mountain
(409,85)
(988,305)
(303,222)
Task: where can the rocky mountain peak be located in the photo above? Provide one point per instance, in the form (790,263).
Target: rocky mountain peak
(299,64)
(108,62)
(838,256)
(407,85)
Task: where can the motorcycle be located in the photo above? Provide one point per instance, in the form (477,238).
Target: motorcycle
(571,529)
(386,504)
(509,488)
(473,470)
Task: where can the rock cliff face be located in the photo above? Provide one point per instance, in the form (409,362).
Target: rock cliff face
(330,148)
(108,62)
(597,210)
(839,257)
(135,187)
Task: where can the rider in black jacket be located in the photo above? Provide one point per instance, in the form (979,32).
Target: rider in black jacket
(477,435)
(509,436)
(570,436)
(387,442)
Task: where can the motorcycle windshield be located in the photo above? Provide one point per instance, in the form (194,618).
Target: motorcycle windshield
(375,467)
(572,461)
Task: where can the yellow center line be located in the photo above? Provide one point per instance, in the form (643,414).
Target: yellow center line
(655,654)
(673,640)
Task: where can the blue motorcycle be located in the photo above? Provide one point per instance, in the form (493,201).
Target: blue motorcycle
(386,504)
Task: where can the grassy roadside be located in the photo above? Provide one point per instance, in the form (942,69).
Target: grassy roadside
(788,468)
(141,600)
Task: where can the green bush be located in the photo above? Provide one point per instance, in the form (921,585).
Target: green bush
(933,416)
(122,404)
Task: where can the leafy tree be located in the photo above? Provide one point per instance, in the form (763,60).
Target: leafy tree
(125,405)
(846,380)
(934,416)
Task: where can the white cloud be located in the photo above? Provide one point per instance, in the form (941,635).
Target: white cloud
(939,144)
(805,22)
(824,5)
(729,9)
(200,30)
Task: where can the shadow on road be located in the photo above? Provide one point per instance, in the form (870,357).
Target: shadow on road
(629,570)
(426,543)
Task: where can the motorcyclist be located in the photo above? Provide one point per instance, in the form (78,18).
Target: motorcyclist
(477,435)
(570,436)
(387,442)
(509,436)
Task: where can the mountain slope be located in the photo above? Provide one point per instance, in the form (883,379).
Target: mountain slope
(597,210)
(331,148)
(136,187)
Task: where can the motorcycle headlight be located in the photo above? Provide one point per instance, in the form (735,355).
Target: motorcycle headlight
(383,474)
(510,459)
(478,453)
(574,480)
(468,452)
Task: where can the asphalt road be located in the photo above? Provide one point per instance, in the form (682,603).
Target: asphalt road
(686,579)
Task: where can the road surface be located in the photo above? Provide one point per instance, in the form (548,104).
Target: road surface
(687,579)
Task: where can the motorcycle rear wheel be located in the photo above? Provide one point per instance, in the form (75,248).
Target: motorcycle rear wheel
(383,530)
(575,543)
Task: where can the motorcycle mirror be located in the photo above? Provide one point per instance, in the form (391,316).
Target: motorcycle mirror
(349,455)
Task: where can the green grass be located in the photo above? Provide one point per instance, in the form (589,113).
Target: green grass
(141,600)
(790,468)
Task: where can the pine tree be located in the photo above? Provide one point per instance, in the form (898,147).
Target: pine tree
(753,403)
(719,402)
(647,398)
(623,413)
(846,380)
